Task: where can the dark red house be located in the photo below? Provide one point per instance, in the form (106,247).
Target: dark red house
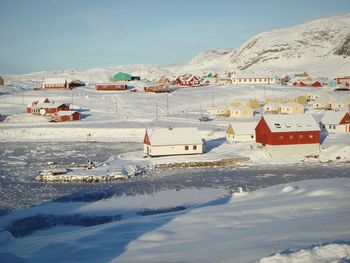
(63,116)
(316,84)
(110,86)
(288,135)
(46,107)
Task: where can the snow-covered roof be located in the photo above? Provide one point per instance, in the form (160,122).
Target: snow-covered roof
(174,136)
(241,128)
(323,99)
(333,117)
(66,113)
(291,104)
(240,108)
(55,81)
(291,123)
(49,105)
(273,104)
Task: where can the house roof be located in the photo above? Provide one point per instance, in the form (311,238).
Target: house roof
(333,117)
(291,104)
(272,104)
(61,81)
(291,123)
(241,128)
(174,136)
(240,108)
(49,105)
(66,113)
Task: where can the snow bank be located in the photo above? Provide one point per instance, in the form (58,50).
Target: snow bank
(328,253)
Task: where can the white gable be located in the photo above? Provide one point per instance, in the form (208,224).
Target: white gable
(174,136)
(333,117)
(291,123)
(242,128)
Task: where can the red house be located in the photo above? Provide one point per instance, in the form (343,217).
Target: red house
(46,107)
(288,135)
(156,89)
(343,82)
(63,116)
(316,84)
(110,86)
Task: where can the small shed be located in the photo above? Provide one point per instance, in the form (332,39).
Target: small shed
(241,112)
(288,135)
(121,76)
(336,122)
(292,108)
(63,116)
(241,132)
(173,141)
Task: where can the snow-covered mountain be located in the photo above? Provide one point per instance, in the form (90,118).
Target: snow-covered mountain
(321,47)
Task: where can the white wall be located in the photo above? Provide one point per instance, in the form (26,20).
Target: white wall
(294,150)
(338,128)
(173,150)
(253,81)
(240,138)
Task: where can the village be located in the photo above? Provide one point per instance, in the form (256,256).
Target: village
(273,119)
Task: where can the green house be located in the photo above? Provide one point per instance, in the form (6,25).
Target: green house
(120,76)
(210,75)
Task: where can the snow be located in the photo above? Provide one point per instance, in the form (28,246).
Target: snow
(308,219)
(174,136)
(291,123)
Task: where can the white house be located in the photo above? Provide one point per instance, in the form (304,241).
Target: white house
(336,122)
(173,141)
(341,103)
(241,132)
(241,112)
(55,83)
(225,111)
(322,103)
(253,80)
(292,108)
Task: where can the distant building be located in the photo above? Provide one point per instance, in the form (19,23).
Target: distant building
(336,122)
(288,135)
(241,132)
(292,108)
(110,86)
(343,82)
(55,83)
(173,141)
(241,112)
(121,76)
(157,89)
(46,107)
(322,103)
(254,80)
(63,116)
(272,108)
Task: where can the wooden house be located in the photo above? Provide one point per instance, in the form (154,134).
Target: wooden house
(288,135)
(224,111)
(55,83)
(253,81)
(241,112)
(63,116)
(46,107)
(192,81)
(340,103)
(292,108)
(110,86)
(157,89)
(336,122)
(272,108)
(343,82)
(241,132)
(322,103)
(173,141)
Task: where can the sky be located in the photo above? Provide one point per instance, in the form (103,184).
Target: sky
(40,35)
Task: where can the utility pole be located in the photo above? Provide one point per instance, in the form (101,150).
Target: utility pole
(156,110)
(72,100)
(116,104)
(87,147)
(212,98)
(167,105)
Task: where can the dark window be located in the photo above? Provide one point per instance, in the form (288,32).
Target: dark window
(252,136)
(194,147)
(186,147)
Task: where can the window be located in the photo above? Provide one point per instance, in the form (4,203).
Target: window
(330,126)
(311,136)
(333,127)
(194,147)
(277,125)
(252,136)
(280,137)
(290,136)
(301,137)
(186,147)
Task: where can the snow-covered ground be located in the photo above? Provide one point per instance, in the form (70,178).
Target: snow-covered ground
(305,221)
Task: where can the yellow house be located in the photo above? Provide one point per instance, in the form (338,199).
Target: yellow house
(241,132)
(292,108)
(225,111)
(322,103)
(241,112)
(272,107)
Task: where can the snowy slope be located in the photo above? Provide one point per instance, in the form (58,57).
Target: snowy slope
(320,47)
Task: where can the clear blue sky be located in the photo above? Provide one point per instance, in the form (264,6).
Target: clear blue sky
(61,34)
